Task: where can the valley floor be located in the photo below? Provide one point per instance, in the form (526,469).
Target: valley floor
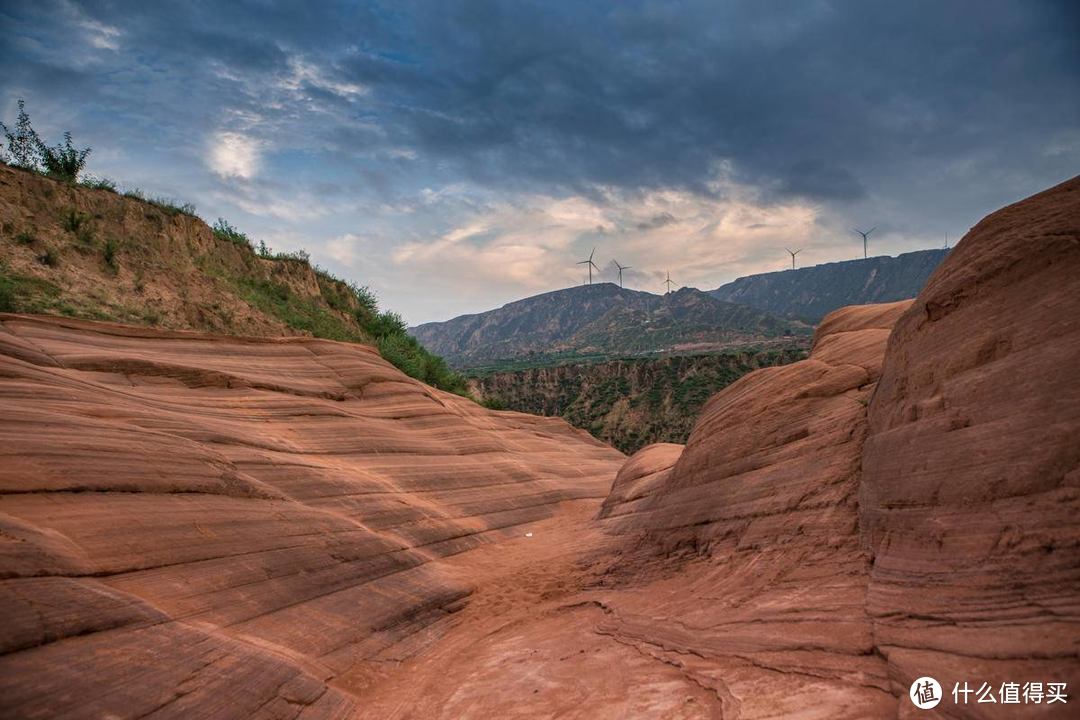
(531,642)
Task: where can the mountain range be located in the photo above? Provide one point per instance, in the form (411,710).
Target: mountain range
(602,320)
(811,293)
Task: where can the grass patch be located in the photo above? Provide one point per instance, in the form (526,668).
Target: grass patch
(99,183)
(80,225)
(25,293)
(296,312)
(108,254)
(25,238)
(169,206)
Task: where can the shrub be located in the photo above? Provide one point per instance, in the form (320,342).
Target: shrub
(295,255)
(79,224)
(386,324)
(49,258)
(72,220)
(109,255)
(366,297)
(63,162)
(27,150)
(23,141)
(7,295)
(25,238)
(224,231)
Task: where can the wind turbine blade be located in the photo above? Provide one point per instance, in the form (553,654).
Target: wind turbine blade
(591,254)
(871,230)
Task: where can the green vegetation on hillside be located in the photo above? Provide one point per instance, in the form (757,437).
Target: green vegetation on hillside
(629,403)
(339,310)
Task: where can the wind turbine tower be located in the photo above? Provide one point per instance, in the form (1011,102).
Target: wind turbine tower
(590,264)
(621,268)
(668,282)
(865,235)
(793,253)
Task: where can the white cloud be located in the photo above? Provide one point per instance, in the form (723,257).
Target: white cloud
(342,249)
(100,35)
(302,72)
(234,155)
(533,244)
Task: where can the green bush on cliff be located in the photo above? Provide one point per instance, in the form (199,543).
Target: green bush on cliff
(27,150)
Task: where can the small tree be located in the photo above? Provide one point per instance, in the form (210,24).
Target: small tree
(23,143)
(27,150)
(63,162)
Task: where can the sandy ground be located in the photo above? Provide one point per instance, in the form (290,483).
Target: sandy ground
(528,643)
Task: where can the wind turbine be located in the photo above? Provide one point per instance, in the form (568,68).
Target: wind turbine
(668,282)
(591,264)
(793,253)
(621,268)
(865,235)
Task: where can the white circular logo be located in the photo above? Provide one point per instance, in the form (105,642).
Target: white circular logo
(925,693)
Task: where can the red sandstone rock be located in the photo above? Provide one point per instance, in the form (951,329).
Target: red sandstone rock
(805,556)
(217,527)
(211,527)
(749,571)
(970,490)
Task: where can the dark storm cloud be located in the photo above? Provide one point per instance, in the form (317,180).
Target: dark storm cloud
(815,99)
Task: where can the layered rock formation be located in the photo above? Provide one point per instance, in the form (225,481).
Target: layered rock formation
(759,515)
(844,525)
(194,526)
(197,526)
(970,488)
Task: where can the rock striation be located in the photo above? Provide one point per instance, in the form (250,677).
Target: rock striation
(970,487)
(744,564)
(902,503)
(201,526)
(198,526)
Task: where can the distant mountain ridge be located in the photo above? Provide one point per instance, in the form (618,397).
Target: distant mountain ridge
(602,318)
(810,293)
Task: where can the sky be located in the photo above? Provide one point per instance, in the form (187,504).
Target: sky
(455,156)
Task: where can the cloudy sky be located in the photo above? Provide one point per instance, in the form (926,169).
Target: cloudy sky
(457,155)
